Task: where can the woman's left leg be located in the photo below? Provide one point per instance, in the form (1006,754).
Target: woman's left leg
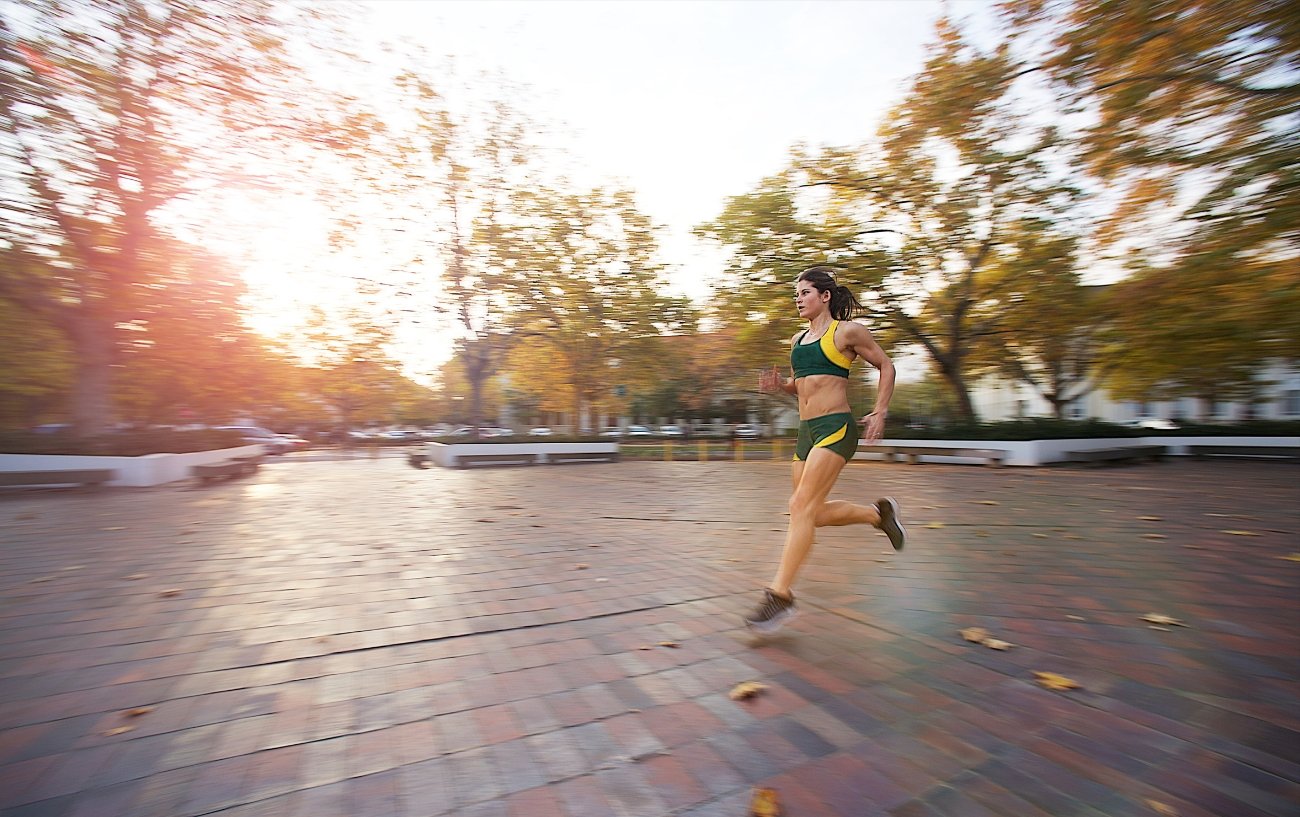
(820,471)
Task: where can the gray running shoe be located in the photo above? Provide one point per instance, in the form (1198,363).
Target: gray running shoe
(772,614)
(890,523)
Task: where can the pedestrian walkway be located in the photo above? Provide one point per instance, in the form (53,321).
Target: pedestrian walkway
(362,639)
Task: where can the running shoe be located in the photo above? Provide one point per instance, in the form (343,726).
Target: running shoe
(889,522)
(772,614)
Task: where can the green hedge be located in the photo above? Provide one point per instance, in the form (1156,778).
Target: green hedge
(120,444)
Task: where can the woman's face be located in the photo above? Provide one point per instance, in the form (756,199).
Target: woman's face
(809,300)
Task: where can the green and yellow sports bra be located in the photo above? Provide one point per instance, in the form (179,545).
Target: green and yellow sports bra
(820,357)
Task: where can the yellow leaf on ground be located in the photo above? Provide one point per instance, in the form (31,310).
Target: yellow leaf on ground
(1162,808)
(1240,532)
(1291,557)
(997,644)
(1153,536)
(138,711)
(935,525)
(581,566)
(672,644)
(765,804)
(115,527)
(117,730)
(974,634)
(136,576)
(1051,680)
(1161,618)
(169,593)
(748,689)
(989,502)
(1149,518)
(1040,536)
(1076,618)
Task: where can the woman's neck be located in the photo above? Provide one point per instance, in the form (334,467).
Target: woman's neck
(818,324)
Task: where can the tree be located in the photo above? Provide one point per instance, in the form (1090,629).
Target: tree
(1193,106)
(110,112)
(931,226)
(583,281)
(35,369)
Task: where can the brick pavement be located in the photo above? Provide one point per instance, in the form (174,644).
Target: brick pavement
(361,639)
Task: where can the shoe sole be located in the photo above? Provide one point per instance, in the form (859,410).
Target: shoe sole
(892,504)
(774,623)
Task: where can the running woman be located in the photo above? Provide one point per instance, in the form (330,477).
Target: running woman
(820,358)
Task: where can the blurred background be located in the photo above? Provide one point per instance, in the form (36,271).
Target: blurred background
(343,221)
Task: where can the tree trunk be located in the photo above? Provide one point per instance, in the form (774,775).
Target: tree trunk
(92,397)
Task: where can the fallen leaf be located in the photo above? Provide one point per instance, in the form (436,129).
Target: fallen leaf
(996,644)
(1161,629)
(748,689)
(117,730)
(1162,808)
(1040,536)
(169,593)
(484,520)
(1153,536)
(974,634)
(1240,532)
(581,566)
(1291,557)
(115,527)
(1076,618)
(765,804)
(672,644)
(645,647)
(602,580)
(138,711)
(1161,618)
(75,567)
(1051,680)
(989,502)
(935,525)
(136,576)
(25,516)
(1072,537)
(1149,518)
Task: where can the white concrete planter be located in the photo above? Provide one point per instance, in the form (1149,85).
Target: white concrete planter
(134,472)
(1042,452)
(449,455)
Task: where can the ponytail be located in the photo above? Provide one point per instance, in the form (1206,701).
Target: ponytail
(843,305)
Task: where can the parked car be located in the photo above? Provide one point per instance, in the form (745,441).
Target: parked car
(540,431)
(672,431)
(269,440)
(295,442)
(496,431)
(1156,423)
(611,431)
(747,431)
(639,431)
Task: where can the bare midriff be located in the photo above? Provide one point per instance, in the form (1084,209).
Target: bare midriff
(822,394)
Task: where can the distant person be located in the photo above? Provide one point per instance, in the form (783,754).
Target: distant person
(820,358)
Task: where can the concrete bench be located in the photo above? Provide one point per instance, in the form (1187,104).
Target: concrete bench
(93,477)
(226,469)
(466,460)
(1288,452)
(912,453)
(581,456)
(1131,453)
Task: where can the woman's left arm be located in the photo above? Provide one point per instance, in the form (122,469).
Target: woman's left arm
(864,346)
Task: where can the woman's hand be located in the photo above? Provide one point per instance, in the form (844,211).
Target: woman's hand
(770,380)
(874,426)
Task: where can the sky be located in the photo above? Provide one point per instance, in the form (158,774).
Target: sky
(689,103)
(686,103)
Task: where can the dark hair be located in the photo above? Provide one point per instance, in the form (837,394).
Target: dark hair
(843,305)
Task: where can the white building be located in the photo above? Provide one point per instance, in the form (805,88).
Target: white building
(996,399)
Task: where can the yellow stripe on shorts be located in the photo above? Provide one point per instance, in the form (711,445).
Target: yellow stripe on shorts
(832,439)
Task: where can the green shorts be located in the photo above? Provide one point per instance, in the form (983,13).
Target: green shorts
(838,432)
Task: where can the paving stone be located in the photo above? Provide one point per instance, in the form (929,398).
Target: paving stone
(350,638)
